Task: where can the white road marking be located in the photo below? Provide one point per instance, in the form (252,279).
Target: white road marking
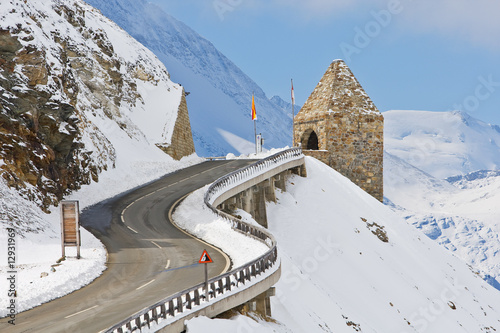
(145,284)
(74,314)
(177,182)
(132,229)
(156,244)
(170,216)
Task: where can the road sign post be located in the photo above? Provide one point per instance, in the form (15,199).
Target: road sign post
(70,226)
(205,259)
(206,282)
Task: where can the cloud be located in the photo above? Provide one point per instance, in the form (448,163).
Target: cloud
(476,21)
(472,21)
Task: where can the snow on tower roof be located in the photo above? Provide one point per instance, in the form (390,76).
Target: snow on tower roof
(338,91)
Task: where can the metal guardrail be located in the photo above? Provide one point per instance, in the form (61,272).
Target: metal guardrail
(215,158)
(238,176)
(185,300)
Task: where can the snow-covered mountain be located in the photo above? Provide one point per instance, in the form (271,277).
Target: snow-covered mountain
(462,215)
(78,96)
(82,107)
(349,264)
(220,93)
(100,102)
(460,212)
(442,144)
(286,106)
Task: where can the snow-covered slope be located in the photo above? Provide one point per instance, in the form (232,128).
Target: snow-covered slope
(349,264)
(442,144)
(463,215)
(81,104)
(220,93)
(285,105)
(462,212)
(78,94)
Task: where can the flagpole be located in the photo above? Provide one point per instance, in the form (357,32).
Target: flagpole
(254,118)
(255,135)
(293,117)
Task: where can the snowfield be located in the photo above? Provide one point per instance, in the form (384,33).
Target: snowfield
(463,216)
(461,212)
(340,275)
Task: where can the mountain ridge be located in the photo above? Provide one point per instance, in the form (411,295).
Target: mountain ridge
(76,94)
(443,144)
(220,93)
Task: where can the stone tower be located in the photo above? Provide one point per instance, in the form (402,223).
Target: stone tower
(340,126)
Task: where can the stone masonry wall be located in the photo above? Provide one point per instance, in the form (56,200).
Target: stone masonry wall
(182,138)
(352,144)
(355,143)
(349,129)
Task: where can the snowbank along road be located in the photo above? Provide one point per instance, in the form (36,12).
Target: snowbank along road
(148,258)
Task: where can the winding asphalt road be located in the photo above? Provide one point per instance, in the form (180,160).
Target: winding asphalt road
(148,258)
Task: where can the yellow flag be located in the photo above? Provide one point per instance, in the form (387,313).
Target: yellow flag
(254,114)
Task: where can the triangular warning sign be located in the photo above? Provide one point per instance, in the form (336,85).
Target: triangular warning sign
(205,258)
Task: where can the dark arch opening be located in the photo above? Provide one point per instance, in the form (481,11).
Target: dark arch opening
(312,142)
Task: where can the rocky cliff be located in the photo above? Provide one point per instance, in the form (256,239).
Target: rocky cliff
(68,78)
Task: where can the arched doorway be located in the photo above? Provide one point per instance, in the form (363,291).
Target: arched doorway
(310,140)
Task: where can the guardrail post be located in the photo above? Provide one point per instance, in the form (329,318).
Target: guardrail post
(220,287)
(180,306)
(155,315)
(188,301)
(212,287)
(163,311)
(196,297)
(171,308)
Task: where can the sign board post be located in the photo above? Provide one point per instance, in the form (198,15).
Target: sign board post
(70,226)
(259,143)
(205,259)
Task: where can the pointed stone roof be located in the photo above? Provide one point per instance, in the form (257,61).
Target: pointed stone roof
(337,91)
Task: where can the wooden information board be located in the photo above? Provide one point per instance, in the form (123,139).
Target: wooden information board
(70,226)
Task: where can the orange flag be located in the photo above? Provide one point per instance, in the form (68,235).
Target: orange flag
(254,114)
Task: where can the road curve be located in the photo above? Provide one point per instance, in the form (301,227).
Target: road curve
(148,258)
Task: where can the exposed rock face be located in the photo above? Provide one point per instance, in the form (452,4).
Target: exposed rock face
(62,82)
(340,125)
(34,151)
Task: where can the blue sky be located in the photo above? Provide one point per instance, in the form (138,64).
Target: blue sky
(434,55)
